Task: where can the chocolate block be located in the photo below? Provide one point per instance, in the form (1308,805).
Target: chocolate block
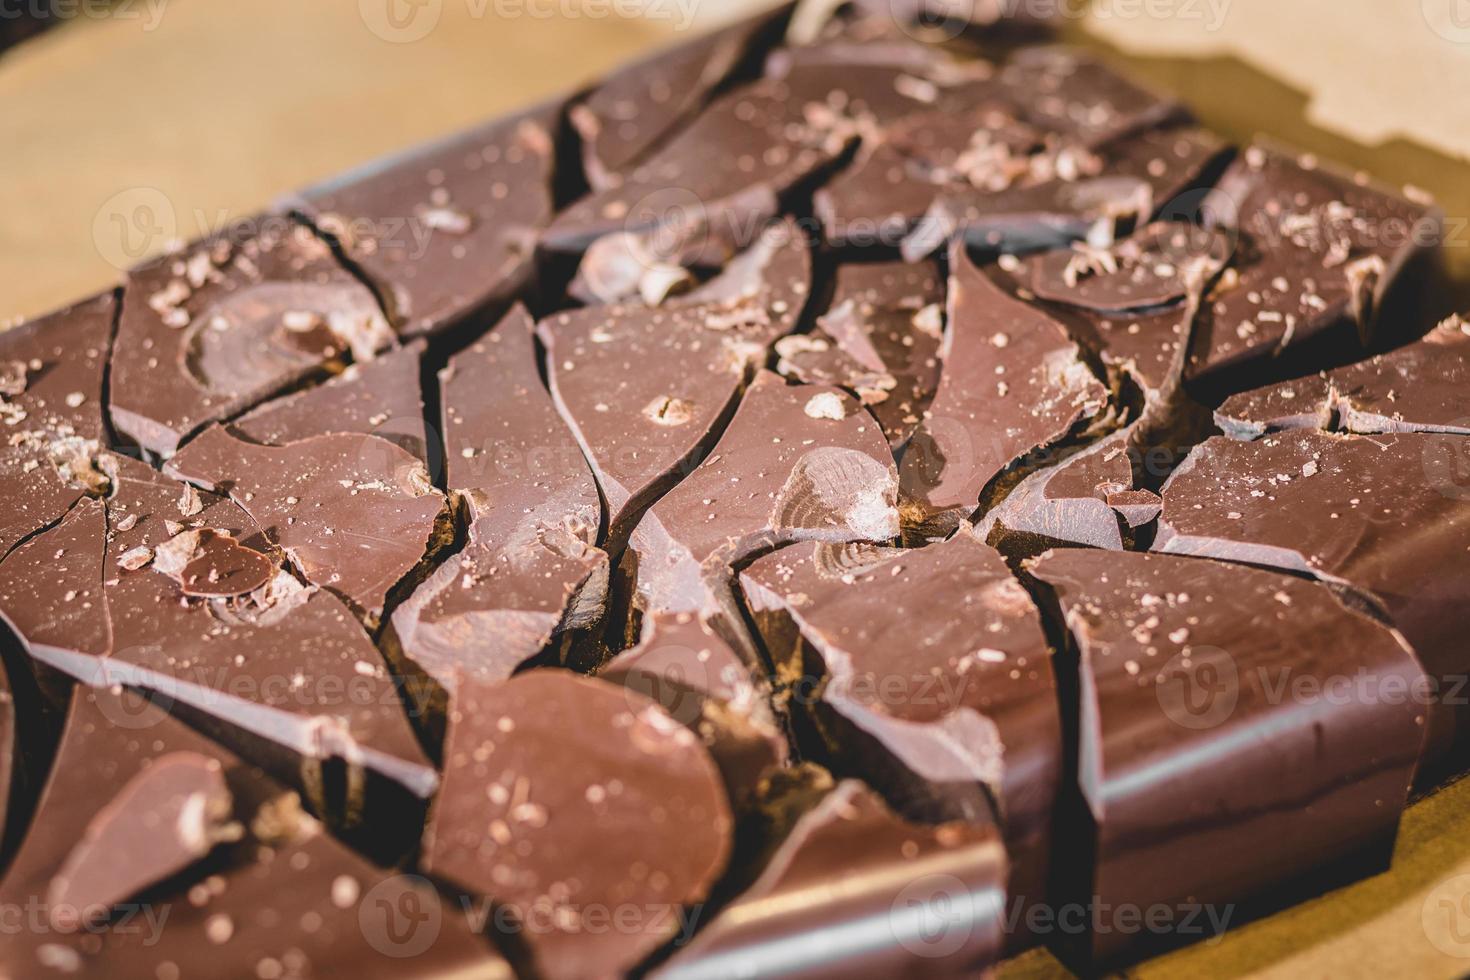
(1385,514)
(156,852)
(931,900)
(530,570)
(382,397)
(705,685)
(355,513)
(1217,765)
(939,684)
(447,231)
(51,372)
(1013,382)
(879,339)
(10,749)
(229,322)
(533,764)
(1417,388)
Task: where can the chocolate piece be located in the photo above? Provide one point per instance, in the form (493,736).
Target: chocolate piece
(938,680)
(11,771)
(1206,787)
(530,570)
(51,587)
(1071,502)
(851,860)
(355,513)
(382,397)
(1068,92)
(51,373)
(705,685)
(639,106)
(880,340)
(531,765)
(131,869)
(1013,382)
(1417,388)
(229,322)
(447,231)
(642,389)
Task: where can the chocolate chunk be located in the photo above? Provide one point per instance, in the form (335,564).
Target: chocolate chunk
(447,231)
(211,564)
(1013,382)
(382,397)
(530,570)
(643,388)
(638,107)
(1204,785)
(1386,514)
(229,322)
(705,685)
(1417,388)
(938,680)
(51,373)
(852,860)
(51,587)
(1066,91)
(534,763)
(11,771)
(880,340)
(355,513)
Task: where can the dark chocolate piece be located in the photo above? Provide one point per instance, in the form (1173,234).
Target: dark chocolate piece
(930,901)
(11,770)
(447,231)
(531,766)
(51,587)
(530,570)
(880,340)
(1207,787)
(1417,388)
(1386,514)
(229,322)
(355,513)
(1069,92)
(51,373)
(1013,382)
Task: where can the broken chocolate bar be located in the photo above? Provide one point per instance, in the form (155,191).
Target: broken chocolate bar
(1226,753)
(535,763)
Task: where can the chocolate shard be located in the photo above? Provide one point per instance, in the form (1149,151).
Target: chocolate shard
(705,685)
(642,388)
(938,680)
(1203,788)
(1319,252)
(1069,92)
(1416,388)
(51,587)
(383,397)
(142,814)
(1071,502)
(51,372)
(1013,382)
(231,321)
(879,339)
(447,231)
(530,571)
(538,760)
(355,513)
(1388,515)
(635,109)
(848,860)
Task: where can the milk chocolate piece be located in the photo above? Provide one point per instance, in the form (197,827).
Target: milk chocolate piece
(447,231)
(51,587)
(51,373)
(705,685)
(642,388)
(355,513)
(531,569)
(1013,382)
(383,397)
(879,339)
(533,764)
(939,684)
(1417,388)
(1205,786)
(229,322)
(1387,514)
(851,860)
(143,816)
